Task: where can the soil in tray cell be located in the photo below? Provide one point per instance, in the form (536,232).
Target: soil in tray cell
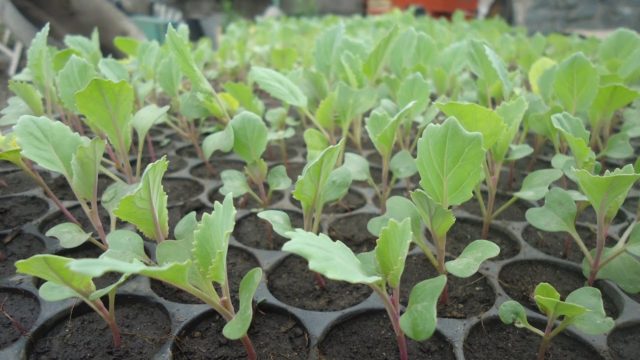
(492,339)
(294,284)
(89,250)
(176,163)
(464,232)
(274,336)
(370,336)
(273,153)
(624,342)
(19,210)
(17,247)
(176,213)
(60,187)
(350,202)
(258,233)
(246,201)
(560,244)
(18,312)
(352,231)
(515,212)
(15,182)
(180,190)
(83,335)
(200,171)
(239,262)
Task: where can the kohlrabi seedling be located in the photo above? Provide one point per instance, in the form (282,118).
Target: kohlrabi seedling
(250,136)
(380,269)
(196,262)
(605,193)
(281,127)
(582,310)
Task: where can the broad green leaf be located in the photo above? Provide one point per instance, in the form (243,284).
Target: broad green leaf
(278,86)
(181,49)
(392,248)
(51,291)
(576,135)
(517,152)
(490,70)
(278,178)
(108,107)
(145,118)
(219,141)
(325,113)
(40,62)
(211,241)
(537,69)
(332,259)
(377,58)
(414,88)
(420,318)
(542,294)
(315,176)
(247,100)
(279,221)
(609,99)
(316,142)
(558,308)
(69,234)
(607,192)
(146,206)
(594,321)
(382,129)
(358,166)
(127,45)
(437,218)
(29,94)
(85,164)
(536,185)
(557,214)
(249,136)
(511,312)
(397,208)
(473,255)
(233,182)
(169,75)
(125,245)
(237,327)
(618,147)
(88,48)
(512,112)
(476,118)
(114,193)
(402,164)
(16,108)
(576,83)
(336,186)
(624,270)
(176,251)
(449,162)
(74,76)
(617,47)
(327,47)
(186,226)
(50,144)
(113,70)
(54,268)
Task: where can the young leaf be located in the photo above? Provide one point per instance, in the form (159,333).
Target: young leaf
(437,218)
(29,94)
(607,192)
(181,49)
(315,176)
(557,214)
(316,142)
(113,70)
(402,164)
(536,185)
(239,325)
(576,83)
(332,259)
(537,69)
(476,118)
(420,318)
(609,99)
(398,208)
(278,178)
(249,136)
(85,164)
(378,56)
(449,162)
(146,206)
(473,255)
(624,270)
(69,234)
(40,62)
(358,166)
(278,86)
(244,94)
(54,268)
(222,140)
(594,321)
(186,226)
(618,147)
(511,312)
(392,248)
(145,118)
(74,76)
(234,182)
(279,221)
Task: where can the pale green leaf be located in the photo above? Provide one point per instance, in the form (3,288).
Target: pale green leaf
(278,86)
(278,178)
(536,185)
(557,214)
(473,255)
(576,83)
(249,136)
(420,318)
(476,118)
(74,76)
(392,248)
(69,234)
(85,164)
(279,221)
(234,182)
(237,327)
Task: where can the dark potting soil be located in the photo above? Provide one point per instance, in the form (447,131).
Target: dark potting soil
(76,211)
(519,280)
(15,182)
(60,187)
(352,231)
(370,336)
(624,342)
(528,164)
(404,192)
(201,171)
(19,210)
(467,297)
(510,180)
(14,248)
(515,212)
(374,158)
(88,250)
(553,243)
(631,205)
(492,339)
(239,262)
(257,233)
(180,190)
(294,284)
(176,213)
(246,201)
(19,310)
(145,326)
(464,232)
(351,201)
(588,216)
(274,336)
(176,163)
(274,153)
(294,169)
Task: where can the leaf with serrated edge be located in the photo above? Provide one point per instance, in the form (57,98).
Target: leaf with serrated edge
(420,318)
(607,192)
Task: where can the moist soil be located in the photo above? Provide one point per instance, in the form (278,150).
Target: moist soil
(464,232)
(273,153)
(492,339)
(350,202)
(201,171)
(78,213)
(19,210)
(520,279)
(257,233)
(176,213)
(588,216)
(631,205)
(553,243)
(239,262)
(294,169)
(60,187)
(19,310)
(510,180)
(274,336)
(14,248)
(294,284)
(624,342)
(515,212)
(352,231)
(180,190)
(176,163)
(145,326)
(16,182)
(347,340)
(467,297)
(246,201)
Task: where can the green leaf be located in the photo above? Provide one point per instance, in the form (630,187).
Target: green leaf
(536,185)
(449,162)
(145,118)
(181,49)
(107,107)
(69,234)
(237,327)
(327,47)
(244,94)
(511,312)
(489,68)
(536,70)
(607,192)
(278,178)
(89,48)
(414,85)
(437,218)
(519,151)
(336,186)
(420,318)
(279,221)
(577,136)
(40,62)
(176,251)
(29,94)
(50,144)
(249,136)
(316,142)
(377,58)
(392,248)
(146,206)
(113,70)
(624,270)
(512,112)
(74,76)
(114,193)
(211,241)
(403,165)
(594,321)
(576,83)
(127,45)
(617,47)
(332,259)
(51,291)
(169,75)
(618,147)
(557,214)
(125,245)
(315,176)
(85,165)
(54,268)
(609,99)
(358,166)
(222,140)
(233,182)
(398,208)
(476,118)
(278,86)
(185,227)
(473,255)
(382,129)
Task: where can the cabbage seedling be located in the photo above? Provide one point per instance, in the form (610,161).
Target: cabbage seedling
(582,309)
